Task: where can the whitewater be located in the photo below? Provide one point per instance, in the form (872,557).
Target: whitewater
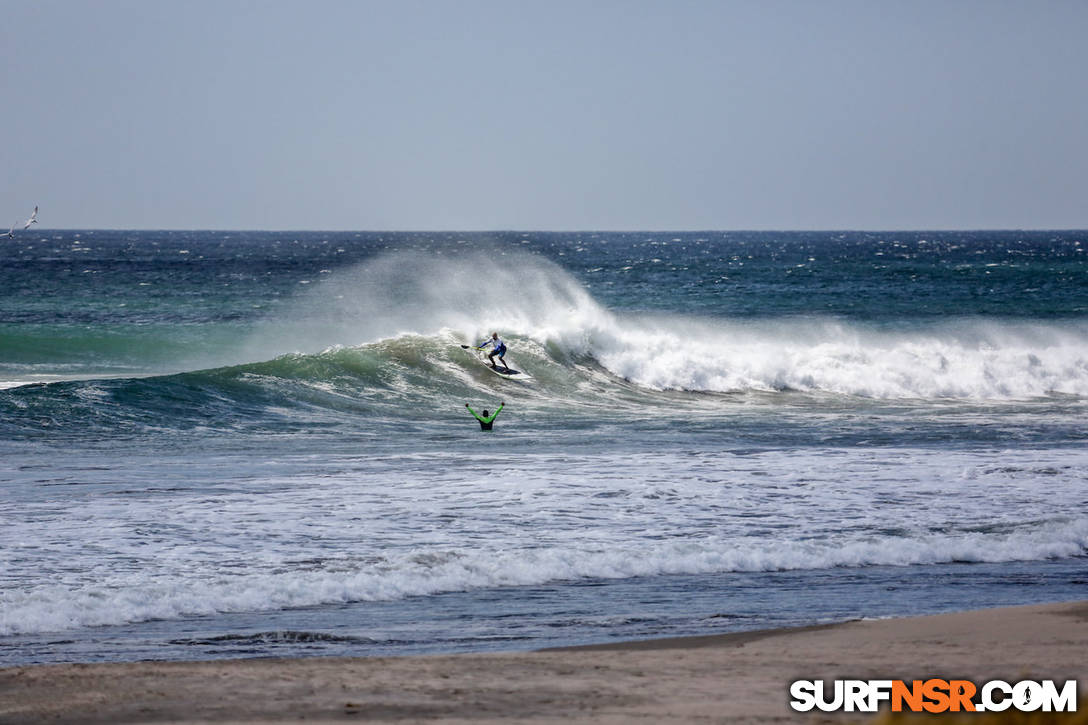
(224,444)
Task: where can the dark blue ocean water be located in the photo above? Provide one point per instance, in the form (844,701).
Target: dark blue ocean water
(222,444)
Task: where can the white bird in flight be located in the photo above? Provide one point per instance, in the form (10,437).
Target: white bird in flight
(11,232)
(32,220)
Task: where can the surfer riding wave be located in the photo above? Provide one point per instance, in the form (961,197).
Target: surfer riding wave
(498,348)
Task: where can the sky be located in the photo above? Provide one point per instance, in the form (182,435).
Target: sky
(558,115)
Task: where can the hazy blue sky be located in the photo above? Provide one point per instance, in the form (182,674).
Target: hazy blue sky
(473,114)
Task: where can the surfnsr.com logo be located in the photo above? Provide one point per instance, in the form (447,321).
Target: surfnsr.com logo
(933,696)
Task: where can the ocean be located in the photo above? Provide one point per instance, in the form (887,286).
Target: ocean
(249,444)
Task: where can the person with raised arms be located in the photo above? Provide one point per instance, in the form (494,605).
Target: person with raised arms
(487,421)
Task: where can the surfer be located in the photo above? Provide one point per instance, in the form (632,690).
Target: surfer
(487,421)
(498,347)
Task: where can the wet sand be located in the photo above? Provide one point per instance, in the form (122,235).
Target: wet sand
(736,678)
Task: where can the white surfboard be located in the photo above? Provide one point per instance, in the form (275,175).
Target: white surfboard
(509,372)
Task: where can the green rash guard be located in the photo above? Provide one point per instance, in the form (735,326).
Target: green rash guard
(489,422)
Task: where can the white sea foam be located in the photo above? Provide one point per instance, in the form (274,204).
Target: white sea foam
(120,599)
(357,529)
(959,359)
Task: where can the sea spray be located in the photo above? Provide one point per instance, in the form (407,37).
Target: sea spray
(411,293)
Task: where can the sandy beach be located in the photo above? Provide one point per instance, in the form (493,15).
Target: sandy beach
(738,678)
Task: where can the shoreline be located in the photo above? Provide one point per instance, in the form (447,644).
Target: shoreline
(740,677)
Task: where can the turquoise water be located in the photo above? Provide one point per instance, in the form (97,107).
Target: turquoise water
(222,444)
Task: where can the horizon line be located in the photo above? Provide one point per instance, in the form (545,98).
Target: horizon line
(826,230)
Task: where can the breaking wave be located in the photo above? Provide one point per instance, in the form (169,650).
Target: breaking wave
(391,331)
(142,596)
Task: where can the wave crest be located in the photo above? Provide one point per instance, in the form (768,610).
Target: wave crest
(138,598)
